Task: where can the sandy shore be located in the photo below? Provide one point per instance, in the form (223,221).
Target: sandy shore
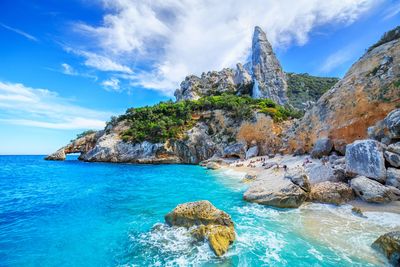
(254,166)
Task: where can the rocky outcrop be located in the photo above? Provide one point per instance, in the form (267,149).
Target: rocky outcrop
(210,224)
(365,157)
(58,155)
(210,83)
(366,94)
(331,193)
(263,77)
(389,245)
(268,76)
(237,150)
(370,190)
(282,193)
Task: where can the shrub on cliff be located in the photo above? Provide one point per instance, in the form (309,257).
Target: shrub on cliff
(387,37)
(304,87)
(170,119)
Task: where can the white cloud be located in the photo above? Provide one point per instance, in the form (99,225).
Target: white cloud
(111,84)
(100,62)
(180,37)
(22,105)
(22,33)
(336,59)
(68,69)
(392,11)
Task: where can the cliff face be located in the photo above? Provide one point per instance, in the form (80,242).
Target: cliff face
(263,77)
(214,133)
(367,93)
(268,76)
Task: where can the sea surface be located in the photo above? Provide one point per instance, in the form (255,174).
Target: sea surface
(73,213)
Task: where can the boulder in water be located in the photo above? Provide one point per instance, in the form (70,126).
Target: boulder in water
(211,223)
(389,245)
(281,193)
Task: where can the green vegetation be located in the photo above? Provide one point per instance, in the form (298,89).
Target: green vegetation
(387,37)
(304,87)
(170,119)
(85,133)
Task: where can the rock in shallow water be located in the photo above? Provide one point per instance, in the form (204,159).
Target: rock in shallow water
(212,224)
(389,245)
(370,190)
(365,157)
(332,193)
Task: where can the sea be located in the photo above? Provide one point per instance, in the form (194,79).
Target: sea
(73,213)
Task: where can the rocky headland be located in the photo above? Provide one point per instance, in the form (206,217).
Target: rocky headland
(345,148)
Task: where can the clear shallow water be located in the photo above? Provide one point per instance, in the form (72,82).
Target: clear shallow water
(96,214)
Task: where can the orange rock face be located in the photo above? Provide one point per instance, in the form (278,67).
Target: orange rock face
(367,93)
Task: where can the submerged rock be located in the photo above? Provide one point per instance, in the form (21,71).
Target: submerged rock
(213,166)
(332,193)
(211,223)
(322,148)
(389,245)
(370,190)
(282,194)
(365,157)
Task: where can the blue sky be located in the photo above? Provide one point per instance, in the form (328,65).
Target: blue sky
(68,65)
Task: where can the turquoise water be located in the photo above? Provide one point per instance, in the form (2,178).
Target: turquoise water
(96,214)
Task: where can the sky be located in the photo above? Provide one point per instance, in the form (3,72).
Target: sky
(68,65)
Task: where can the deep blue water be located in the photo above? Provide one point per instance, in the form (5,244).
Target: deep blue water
(97,214)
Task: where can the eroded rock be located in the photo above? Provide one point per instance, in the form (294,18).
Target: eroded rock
(370,190)
(365,157)
(389,245)
(282,194)
(210,223)
(331,192)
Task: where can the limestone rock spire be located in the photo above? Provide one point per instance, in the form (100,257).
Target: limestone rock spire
(268,76)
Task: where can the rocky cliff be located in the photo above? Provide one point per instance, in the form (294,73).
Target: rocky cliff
(366,94)
(263,77)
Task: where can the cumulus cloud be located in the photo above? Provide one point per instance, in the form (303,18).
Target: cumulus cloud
(111,84)
(22,105)
(175,38)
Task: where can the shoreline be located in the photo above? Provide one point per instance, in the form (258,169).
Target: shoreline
(293,162)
